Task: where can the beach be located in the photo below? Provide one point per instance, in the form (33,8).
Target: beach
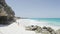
(14,28)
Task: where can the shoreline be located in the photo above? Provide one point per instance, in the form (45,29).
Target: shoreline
(14,28)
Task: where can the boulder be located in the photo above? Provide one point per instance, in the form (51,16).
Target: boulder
(53,32)
(45,32)
(32,28)
(38,30)
(49,29)
(58,31)
(28,28)
(44,27)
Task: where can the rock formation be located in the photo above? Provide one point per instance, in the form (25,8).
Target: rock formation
(32,28)
(6,13)
(42,30)
(58,31)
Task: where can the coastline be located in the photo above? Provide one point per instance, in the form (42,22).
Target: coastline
(28,22)
(14,28)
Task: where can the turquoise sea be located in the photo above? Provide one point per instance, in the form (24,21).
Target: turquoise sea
(51,21)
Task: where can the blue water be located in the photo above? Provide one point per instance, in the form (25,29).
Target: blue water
(51,21)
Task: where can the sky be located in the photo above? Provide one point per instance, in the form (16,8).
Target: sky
(35,8)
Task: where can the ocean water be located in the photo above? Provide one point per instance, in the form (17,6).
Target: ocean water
(50,21)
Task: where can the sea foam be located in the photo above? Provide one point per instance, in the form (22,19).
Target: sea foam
(29,22)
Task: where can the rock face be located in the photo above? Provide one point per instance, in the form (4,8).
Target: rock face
(6,13)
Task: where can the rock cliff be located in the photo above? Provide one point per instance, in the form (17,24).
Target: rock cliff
(6,13)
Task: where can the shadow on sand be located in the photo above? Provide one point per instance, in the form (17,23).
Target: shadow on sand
(5,22)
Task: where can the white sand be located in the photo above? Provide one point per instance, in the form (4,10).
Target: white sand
(15,29)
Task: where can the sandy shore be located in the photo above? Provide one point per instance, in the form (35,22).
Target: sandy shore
(20,29)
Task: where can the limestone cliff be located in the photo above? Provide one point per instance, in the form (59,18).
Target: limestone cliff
(6,13)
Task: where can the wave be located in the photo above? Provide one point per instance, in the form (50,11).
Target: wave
(27,22)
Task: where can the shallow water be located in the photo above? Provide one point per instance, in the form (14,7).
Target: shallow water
(50,21)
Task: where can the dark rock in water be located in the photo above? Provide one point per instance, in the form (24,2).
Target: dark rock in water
(38,30)
(44,27)
(53,32)
(6,13)
(32,28)
(49,29)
